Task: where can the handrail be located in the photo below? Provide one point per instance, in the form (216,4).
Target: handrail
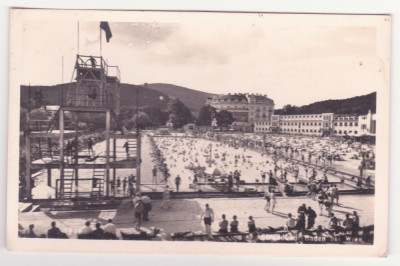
(89,61)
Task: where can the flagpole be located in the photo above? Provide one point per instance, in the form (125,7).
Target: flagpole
(62,69)
(100,43)
(78,37)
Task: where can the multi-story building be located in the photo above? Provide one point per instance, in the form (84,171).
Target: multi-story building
(325,124)
(308,124)
(246,109)
(367,124)
(345,124)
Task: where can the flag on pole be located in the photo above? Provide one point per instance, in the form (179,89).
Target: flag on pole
(104,26)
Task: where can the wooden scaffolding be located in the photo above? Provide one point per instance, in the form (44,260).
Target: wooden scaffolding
(96,90)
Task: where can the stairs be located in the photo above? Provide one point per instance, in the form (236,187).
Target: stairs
(132,144)
(68,183)
(98,182)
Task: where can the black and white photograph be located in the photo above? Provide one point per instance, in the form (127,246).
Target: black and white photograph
(201,132)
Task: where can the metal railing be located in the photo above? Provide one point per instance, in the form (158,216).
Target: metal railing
(87,100)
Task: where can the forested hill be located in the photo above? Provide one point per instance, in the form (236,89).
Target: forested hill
(51,95)
(193,99)
(151,95)
(356,105)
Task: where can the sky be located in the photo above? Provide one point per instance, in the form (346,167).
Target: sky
(292,63)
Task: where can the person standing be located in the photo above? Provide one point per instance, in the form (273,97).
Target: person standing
(208,215)
(155,181)
(126,146)
(311,215)
(90,146)
(301,222)
(166,201)
(263,177)
(356,220)
(138,212)
(177,182)
(124,182)
(147,207)
(273,201)
(368,181)
(268,200)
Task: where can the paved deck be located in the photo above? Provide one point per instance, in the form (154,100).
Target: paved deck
(184,215)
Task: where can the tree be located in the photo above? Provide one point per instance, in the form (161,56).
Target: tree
(38,114)
(179,114)
(289,109)
(224,118)
(157,116)
(206,115)
(141,120)
(39,99)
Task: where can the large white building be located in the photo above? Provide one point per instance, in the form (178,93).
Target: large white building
(325,124)
(246,109)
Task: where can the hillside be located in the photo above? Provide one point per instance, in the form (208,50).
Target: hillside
(152,95)
(356,105)
(128,93)
(193,99)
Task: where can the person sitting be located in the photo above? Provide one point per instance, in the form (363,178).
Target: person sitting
(348,223)
(85,232)
(234,225)
(251,225)
(110,230)
(290,222)
(98,233)
(55,232)
(223,225)
(334,222)
(29,233)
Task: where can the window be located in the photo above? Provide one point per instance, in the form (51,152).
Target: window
(334,131)
(345,124)
(340,124)
(355,132)
(356,124)
(335,124)
(351,124)
(340,132)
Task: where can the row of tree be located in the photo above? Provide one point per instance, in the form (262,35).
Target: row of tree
(176,113)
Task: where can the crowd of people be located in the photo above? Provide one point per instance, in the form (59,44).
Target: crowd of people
(304,223)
